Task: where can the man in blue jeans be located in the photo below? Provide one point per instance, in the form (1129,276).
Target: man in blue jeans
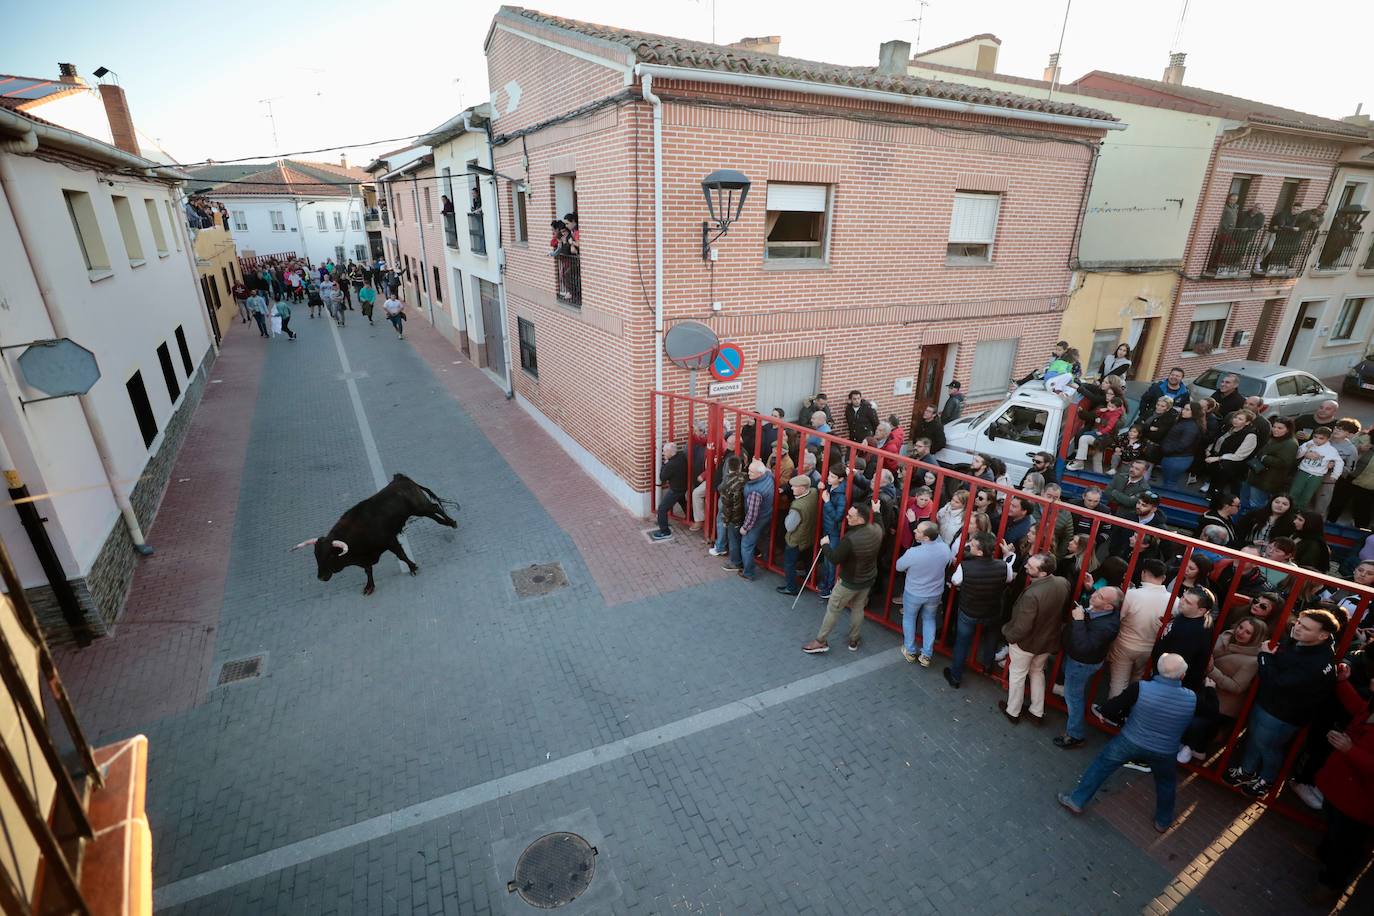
(924,563)
(834,505)
(1087,639)
(758,512)
(982,582)
(1157,712)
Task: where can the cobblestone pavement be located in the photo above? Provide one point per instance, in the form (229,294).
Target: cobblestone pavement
(400,749)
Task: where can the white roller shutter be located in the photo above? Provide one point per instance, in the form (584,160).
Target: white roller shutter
(974,218)
(992,366)
(1218,311)
(807,198)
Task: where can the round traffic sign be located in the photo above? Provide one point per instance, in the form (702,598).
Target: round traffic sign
(728,364)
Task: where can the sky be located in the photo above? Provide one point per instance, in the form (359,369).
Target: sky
(346,72)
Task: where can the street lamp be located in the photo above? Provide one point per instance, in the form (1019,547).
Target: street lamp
(725,191)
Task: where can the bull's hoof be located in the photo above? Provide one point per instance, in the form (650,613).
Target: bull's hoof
(414,570)
(369,589)
(450,524)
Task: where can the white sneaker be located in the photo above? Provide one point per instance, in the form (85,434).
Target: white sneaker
(1057,690)
(714,552)
(1311,796)
(1074,465)
(1185,754)
(1001,655)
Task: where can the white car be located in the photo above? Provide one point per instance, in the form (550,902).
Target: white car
(1030,420)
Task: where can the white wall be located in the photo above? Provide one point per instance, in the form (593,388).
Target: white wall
(1134,210)
(455,156)
(302,234)
(122,318)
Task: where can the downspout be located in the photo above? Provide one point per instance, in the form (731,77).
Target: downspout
(647,86)
(191,259)
(48,296)
(500,249)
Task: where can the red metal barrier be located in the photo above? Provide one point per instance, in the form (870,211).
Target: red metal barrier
(681,413)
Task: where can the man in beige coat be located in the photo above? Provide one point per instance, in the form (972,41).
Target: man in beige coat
(1033,635)
(1141,614)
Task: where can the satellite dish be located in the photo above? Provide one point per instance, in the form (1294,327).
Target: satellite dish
(690,345)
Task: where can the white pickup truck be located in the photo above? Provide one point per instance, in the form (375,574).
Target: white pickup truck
(1030,420)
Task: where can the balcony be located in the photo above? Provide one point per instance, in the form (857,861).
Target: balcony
(477,232)
(1336,250)
(386,217)
(1239,253)
(450,230)
(372,219)
(569,278)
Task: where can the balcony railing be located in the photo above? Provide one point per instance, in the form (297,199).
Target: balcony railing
(371,216)
(1258,252)
(386,217)
(1286,252)
(1336,249)
(477,232)
(450,230)
(569,279)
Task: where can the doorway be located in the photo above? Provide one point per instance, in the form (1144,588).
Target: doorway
(930,374)
(494,333)
(460,312)
(1304,329)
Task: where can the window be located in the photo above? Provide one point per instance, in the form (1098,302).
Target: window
(1288,386)
(1104,343)
(241,220)
(82,212)
(338,221)
(796,222)
(169,372)
(424,281)
(1288,194)
(1208,329)
(528,357)
(1021,424)
(522,232)
(1349,319)
(972,228)
(143,411)
(360,252)
(992,366)
(214,291)
(228,288)
(355,221)
(438,288)
(338,254)
(278,222)
(1352,193)
(129,229)
(159,237)
(1240,186)
(429,209)
(186,363)
(172,221)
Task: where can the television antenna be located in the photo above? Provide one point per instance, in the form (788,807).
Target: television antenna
(272,117)
(918,19)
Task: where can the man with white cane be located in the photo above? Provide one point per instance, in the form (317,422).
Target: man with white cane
(857,557)
(801,532)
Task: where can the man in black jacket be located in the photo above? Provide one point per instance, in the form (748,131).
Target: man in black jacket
(1189,635)
(1294,681)
(982,582)
(861,419)
(673,476)
(1087,638)
(1228,396)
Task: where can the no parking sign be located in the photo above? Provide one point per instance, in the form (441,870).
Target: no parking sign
(728,364)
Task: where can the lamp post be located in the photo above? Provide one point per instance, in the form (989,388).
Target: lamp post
(725,191)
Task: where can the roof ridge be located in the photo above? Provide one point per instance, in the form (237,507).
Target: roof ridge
(915,54)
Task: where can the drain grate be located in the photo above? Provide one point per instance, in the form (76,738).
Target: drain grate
(241,669)
(554,870)
(538,579)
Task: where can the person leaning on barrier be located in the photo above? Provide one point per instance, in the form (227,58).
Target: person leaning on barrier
(982,581)
(1142,611)
(1033,635)
(856,556)
(800,524)
(1189,635)
(1156,713)
(1087,638)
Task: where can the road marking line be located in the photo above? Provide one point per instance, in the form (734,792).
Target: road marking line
(375,828)
(374,458)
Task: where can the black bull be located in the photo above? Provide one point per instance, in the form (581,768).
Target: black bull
(373,527)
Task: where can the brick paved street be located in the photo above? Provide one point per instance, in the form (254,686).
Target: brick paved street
(399,747)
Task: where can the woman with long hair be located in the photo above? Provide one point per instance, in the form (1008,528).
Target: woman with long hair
(1235,662)
(1195,575)
(1119,363)
(1211,428)
(1227,458)
(1277,461)
(1180,443)
(1309,532)
(1262,525)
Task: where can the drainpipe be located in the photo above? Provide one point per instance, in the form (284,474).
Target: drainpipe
(647,85)
(32,522)
(47,294)
(500,248)
(191,259)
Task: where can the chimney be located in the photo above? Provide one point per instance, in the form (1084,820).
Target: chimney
(1174,72)
(1358,119)
(68,73)
(894,57)
(121,122)
(764,44)
(1052,70)
(343,160)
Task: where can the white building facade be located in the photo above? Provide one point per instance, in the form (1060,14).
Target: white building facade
(93,247)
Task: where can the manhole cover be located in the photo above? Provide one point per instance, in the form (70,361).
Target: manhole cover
(538,579)
(240,670)
(554,870)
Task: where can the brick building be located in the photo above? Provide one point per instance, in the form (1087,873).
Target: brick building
(408,186)
(899,231)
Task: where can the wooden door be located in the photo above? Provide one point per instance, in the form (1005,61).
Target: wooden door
(930,374)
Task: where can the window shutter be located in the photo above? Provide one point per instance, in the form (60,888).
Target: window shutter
(992,365)
(1216,312)
(807,198)
(974,218)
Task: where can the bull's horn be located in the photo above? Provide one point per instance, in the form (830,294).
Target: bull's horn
(304,544)
(343,548)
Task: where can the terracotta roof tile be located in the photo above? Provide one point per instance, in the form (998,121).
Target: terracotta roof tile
(281,179)
(680,52)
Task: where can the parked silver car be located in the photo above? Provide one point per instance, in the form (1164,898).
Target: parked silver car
(1286,392)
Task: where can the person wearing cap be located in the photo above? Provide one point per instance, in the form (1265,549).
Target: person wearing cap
(800,523)
(1146,513)
(954,404)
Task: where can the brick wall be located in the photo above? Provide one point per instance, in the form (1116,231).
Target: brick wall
(103,590)
(884,290)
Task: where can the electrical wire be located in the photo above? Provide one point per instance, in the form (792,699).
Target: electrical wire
(275,156)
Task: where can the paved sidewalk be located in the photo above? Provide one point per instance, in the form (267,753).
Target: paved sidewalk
(400,749)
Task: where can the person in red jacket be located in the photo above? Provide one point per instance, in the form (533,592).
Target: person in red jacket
(1347,783)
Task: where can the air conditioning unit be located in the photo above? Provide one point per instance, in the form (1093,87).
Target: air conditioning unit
(1240,338)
